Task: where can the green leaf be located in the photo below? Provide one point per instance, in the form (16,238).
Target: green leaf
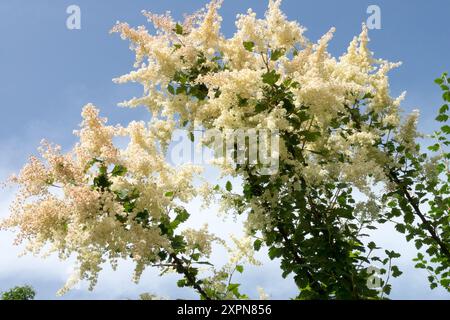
(400,228)
(181,283)
(446,96)
(396,212)
(396,272)
(229,186)
(418,244)
(311,136)
(171,89)
(442,117)
(372,245)
(257,245)
(162,255)
(103,170)
(249,45)
(409,217)
(118,170)
(270,77)
(445,283)
(444,108)
(178,29)
(233,287)
(434,147)
(392,204)
(239,268)
(242,101)
(191,136)
(260,107)
(368,95)
(275,252)
(195,256)
(446,129)
(182,215)
(277,54)
(392,254)
(169,194)
(178,243)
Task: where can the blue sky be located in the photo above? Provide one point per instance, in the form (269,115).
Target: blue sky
(49,72)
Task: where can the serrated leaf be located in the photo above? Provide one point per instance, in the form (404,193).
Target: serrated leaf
(400,228)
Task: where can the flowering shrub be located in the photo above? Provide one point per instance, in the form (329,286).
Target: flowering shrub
(340,132)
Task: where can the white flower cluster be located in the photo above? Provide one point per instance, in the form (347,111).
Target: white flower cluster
(327,86)
(57,204)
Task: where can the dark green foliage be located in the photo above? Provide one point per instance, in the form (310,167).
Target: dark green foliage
(248,45)
(19,293)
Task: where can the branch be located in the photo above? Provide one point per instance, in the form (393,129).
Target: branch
(444,249)
(189,276)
